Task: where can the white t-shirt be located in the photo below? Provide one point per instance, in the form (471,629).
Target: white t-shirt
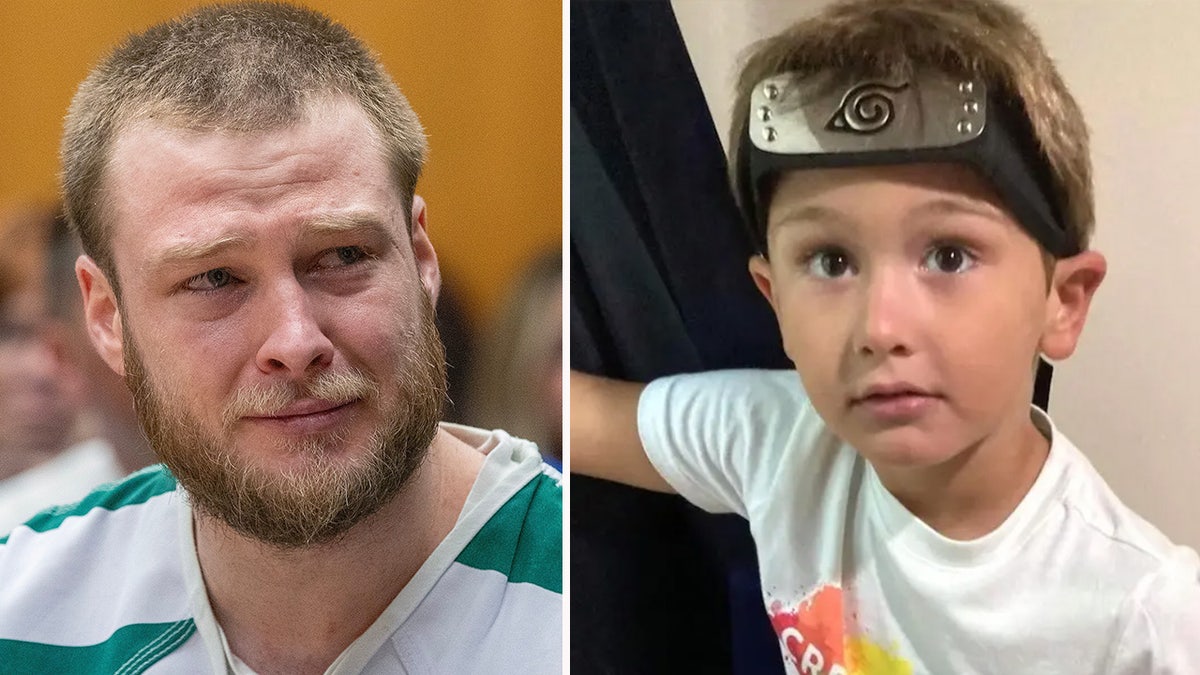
(113,585)
(1073,582)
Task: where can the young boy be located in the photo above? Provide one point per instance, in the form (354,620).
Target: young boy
(916,177)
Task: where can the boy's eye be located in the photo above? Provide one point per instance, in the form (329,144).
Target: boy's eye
(210,280)
(949,259)
(829,263)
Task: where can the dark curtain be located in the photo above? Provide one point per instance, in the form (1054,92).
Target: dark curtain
(658,286)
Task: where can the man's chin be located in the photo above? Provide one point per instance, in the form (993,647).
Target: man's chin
(295,502)
(281,454)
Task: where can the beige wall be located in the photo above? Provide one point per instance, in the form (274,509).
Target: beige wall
(1129,397)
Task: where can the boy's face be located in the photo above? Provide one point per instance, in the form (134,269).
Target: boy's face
(914,306)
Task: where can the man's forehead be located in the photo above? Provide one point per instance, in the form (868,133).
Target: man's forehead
(327,119)
(323,173)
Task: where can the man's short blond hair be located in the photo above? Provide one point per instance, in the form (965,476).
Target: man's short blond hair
(241,67)
(894,39)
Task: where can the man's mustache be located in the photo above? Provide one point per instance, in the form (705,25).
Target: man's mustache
(266,400)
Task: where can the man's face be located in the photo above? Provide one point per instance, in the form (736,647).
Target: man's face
(275,322)
(911,303)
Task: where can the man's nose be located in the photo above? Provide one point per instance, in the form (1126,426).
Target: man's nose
(296,342)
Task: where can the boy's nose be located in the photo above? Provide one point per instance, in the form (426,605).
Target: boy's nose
(885,316)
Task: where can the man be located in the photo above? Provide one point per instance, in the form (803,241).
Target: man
(258,268)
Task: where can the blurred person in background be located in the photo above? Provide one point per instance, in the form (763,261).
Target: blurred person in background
(107,410)
(47,455)
(519,373)
(457,331)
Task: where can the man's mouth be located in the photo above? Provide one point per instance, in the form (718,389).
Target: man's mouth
(305,407)
(306,416)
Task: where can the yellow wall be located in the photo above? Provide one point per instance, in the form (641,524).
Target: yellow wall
(485,76)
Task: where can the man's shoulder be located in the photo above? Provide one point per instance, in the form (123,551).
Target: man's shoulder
(136,490)
(523,539)
(112,540)
(97,586)
(502,593)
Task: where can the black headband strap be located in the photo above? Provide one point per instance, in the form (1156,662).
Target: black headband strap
(805,123)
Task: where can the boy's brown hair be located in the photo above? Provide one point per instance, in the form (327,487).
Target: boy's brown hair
(893,39)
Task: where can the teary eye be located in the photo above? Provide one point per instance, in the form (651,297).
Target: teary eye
(210,280)
(348,255)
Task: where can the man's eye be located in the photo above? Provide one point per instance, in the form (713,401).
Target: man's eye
(343,256)
(210,280)
(828,263)
(349,255)
(949,259)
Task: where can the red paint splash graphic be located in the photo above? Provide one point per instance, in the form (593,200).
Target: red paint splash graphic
(813,633)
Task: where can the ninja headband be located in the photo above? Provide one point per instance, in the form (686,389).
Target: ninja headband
(807,123)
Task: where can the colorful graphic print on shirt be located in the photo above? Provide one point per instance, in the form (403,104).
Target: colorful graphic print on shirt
(816,641)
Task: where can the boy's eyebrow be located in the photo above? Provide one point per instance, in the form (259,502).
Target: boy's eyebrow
(948,206)
(815,214)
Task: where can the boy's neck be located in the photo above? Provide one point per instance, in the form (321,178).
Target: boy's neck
(972,494)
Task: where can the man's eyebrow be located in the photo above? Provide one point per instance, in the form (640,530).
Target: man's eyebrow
(348,222)
(188,251)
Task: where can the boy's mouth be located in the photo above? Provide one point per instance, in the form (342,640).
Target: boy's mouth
(884,392)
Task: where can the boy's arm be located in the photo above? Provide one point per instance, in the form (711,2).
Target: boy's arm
(604,433)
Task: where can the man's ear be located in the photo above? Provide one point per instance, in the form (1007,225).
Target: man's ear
(423,253)
(760,271)
(101,313)
(1072,287)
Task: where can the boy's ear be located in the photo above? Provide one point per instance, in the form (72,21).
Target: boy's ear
(1072,287)
(101,314)
(760,271)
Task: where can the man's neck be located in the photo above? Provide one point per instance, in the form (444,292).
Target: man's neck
(296,611)
(974,493)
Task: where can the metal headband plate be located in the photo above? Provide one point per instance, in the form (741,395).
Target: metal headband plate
(800,116)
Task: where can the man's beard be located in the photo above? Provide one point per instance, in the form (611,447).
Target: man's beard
(327,495)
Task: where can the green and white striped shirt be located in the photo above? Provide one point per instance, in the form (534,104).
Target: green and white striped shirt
(112,584)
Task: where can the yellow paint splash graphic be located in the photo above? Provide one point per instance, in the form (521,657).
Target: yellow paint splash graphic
(864,657)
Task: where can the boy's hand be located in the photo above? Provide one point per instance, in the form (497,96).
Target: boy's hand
(604,433)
